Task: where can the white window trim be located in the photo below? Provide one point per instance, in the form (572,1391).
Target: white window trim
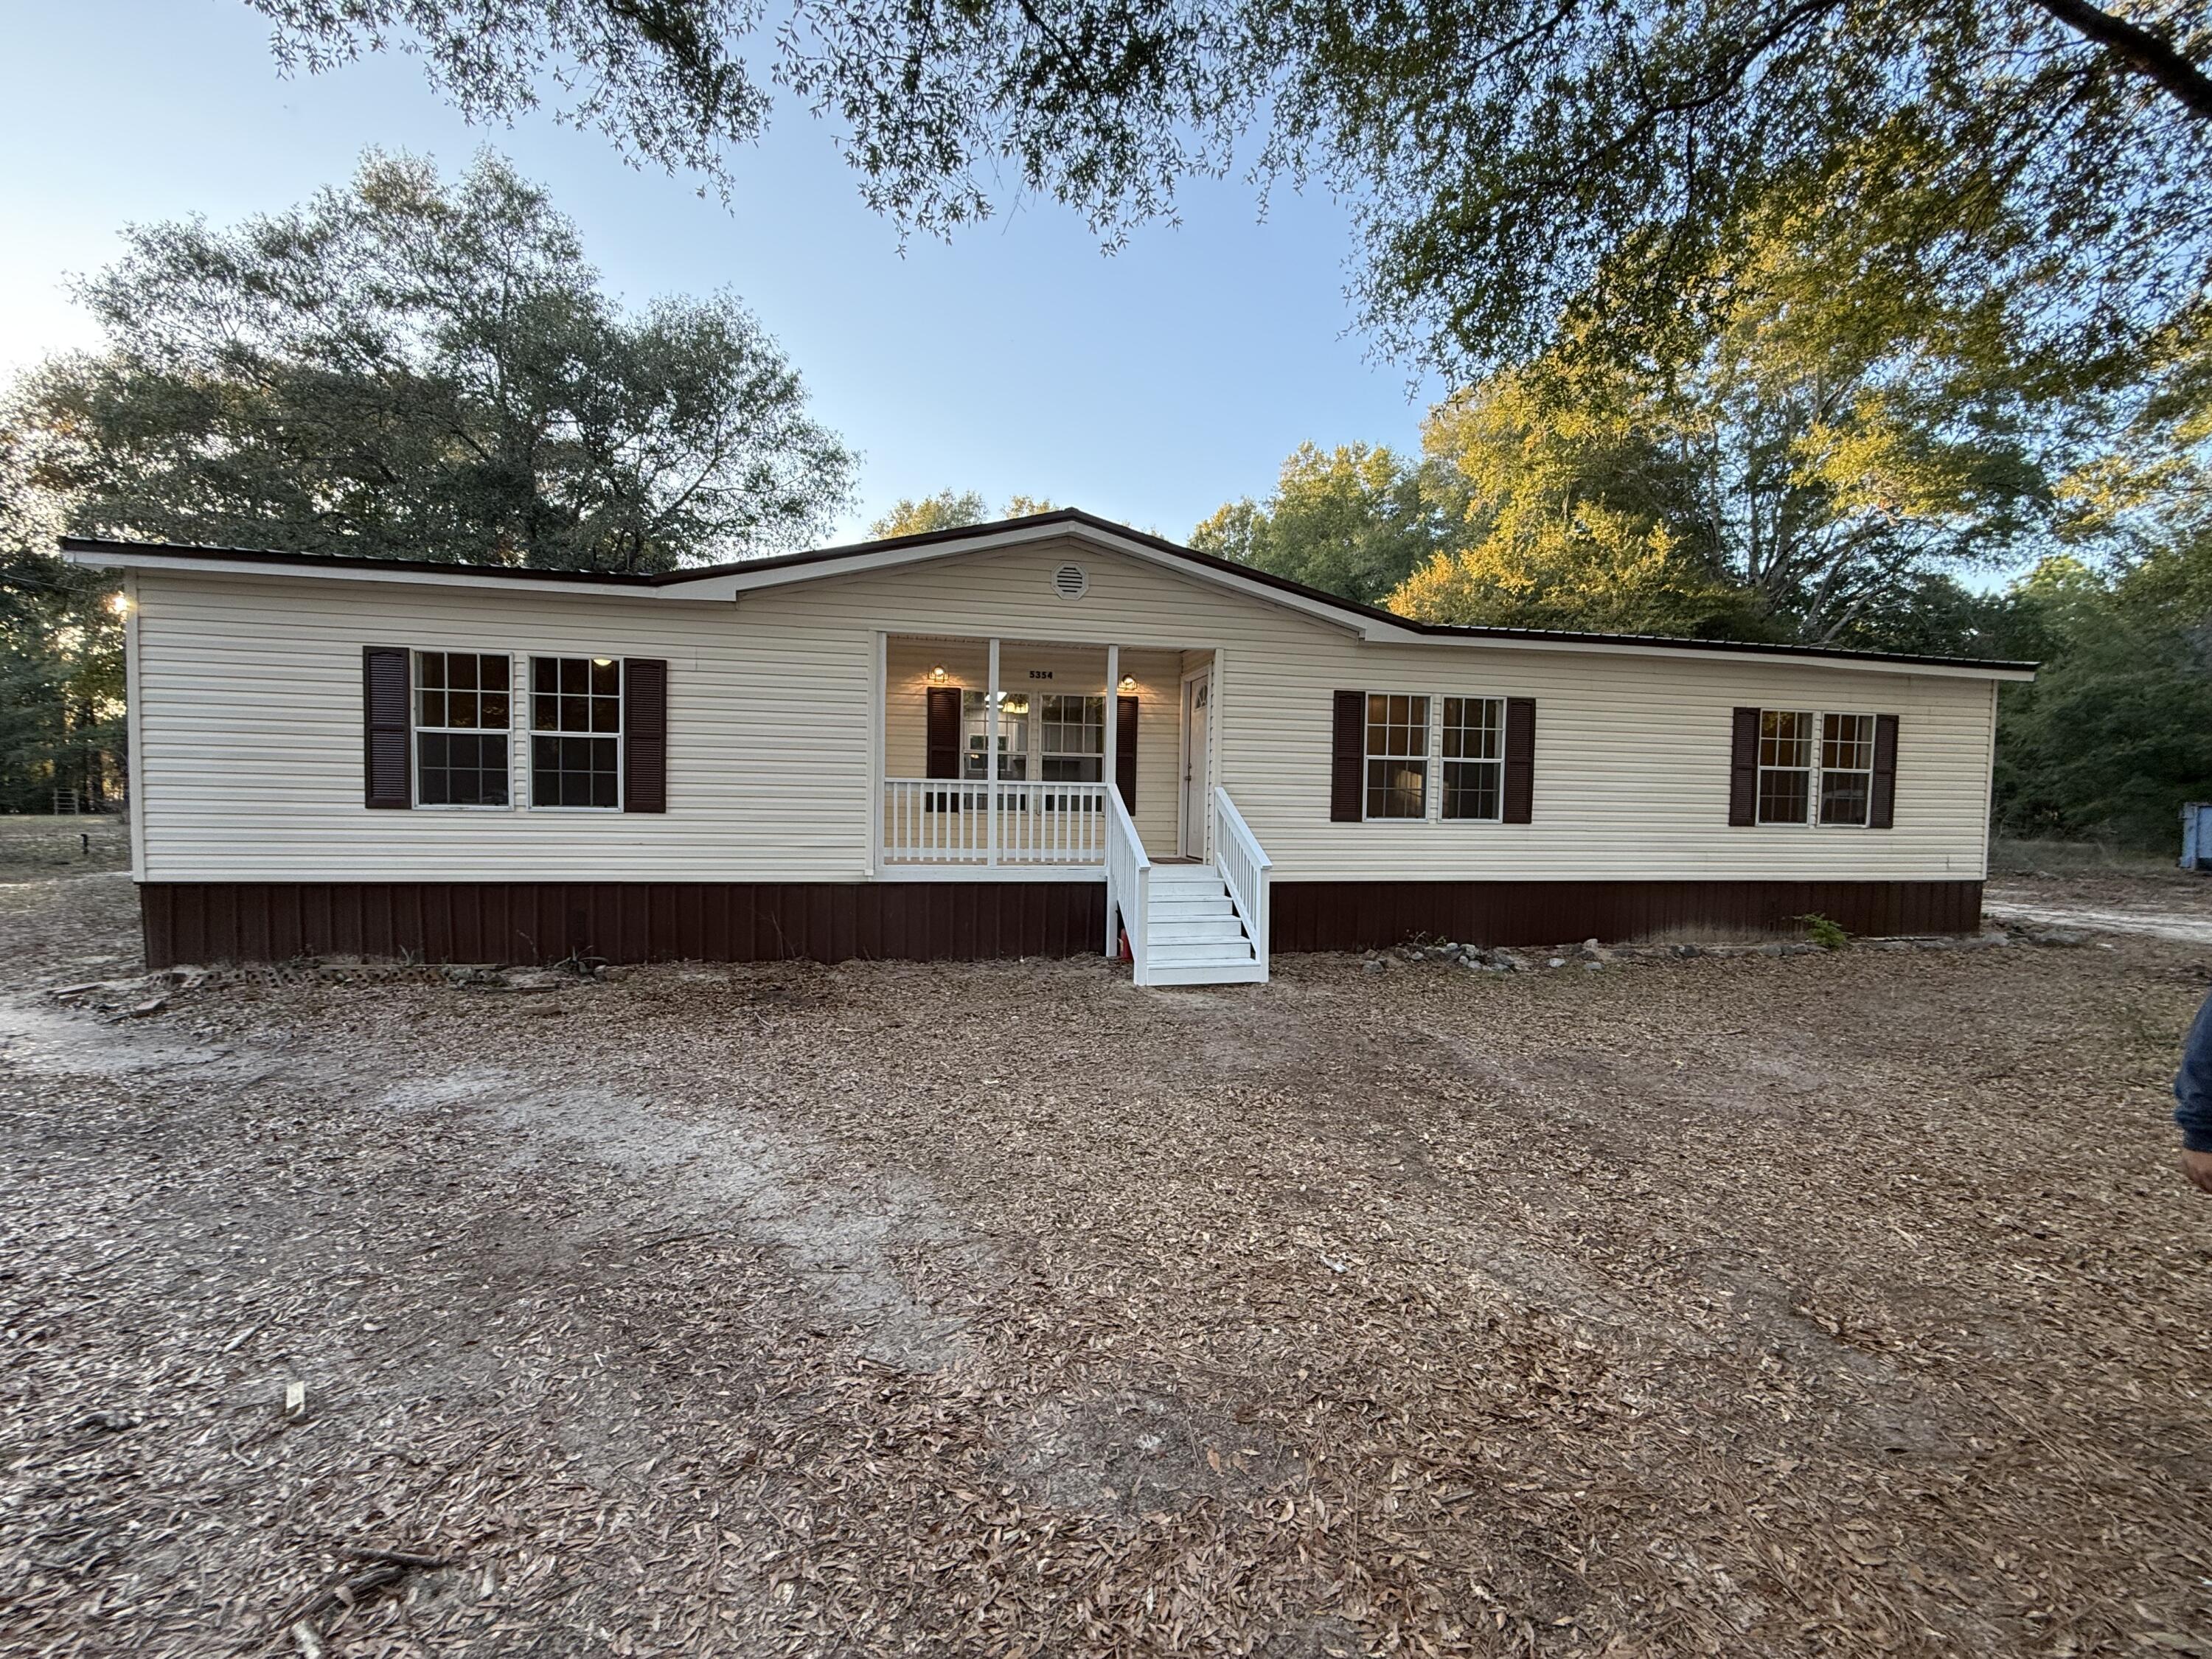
(415,729)
(1436,745)
(1046,752)
(621,733)
(1430,792)
(1813,820)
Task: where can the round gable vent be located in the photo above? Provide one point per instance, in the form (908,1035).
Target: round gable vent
(1070,582)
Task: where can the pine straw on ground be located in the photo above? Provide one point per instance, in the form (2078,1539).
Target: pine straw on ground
(1824,1305)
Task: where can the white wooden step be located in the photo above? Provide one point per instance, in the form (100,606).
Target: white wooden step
(1209,953)
(1248,972)
(1193,908)
(1185,875)
(1226,930)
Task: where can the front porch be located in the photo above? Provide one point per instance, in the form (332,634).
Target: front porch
(1038,760)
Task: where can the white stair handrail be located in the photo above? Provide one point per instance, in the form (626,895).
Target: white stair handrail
(1129,884)
(1244,867)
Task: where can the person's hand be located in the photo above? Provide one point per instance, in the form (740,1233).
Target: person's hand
(2197,1166)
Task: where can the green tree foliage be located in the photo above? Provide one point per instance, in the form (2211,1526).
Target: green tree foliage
(1355,520)
(949,509)
(1521,170)
(1576,517)
(61,653)
(2117,730)
(410,368)
(1810,470)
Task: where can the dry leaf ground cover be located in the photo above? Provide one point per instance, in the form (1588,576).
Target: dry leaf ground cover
(1833,1304)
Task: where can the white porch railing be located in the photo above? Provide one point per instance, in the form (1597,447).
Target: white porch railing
(1244,867)
(951,821)
(1128,885)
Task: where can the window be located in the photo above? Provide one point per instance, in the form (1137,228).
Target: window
(1014,734)
(1397,756)
(461,723)
(1815,767)
(1073,733)
(1785,766)
(575,732)
(1474,758)
(1846,768)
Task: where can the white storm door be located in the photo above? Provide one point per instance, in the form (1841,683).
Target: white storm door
(1197,762)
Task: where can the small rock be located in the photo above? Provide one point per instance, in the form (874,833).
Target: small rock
(1559,962)
(616,972)
(151,1005)
(1687,951)
(1593,967)
(1378,965)
(2063,939)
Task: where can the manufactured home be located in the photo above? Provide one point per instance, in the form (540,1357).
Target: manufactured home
(1043,736)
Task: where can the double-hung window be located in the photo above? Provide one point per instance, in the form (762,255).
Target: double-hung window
(1846,768)
(576,731)
(1397,756)
(1474,758)
(1815,767)
(461,722)
(1073,735)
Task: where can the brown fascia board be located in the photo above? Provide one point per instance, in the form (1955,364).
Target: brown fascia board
(1073,517)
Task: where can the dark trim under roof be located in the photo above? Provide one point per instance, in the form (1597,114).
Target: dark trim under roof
(1065,515)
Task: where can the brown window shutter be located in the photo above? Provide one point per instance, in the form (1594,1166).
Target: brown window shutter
(941,758)
(1743,768)
(386,690)
(1347,763)
(1520,760)
(1881,795)
(1125,750)
(645,735)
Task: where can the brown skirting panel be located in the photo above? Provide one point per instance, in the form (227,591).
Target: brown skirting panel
(937,922)
(1366,915)
(619,922)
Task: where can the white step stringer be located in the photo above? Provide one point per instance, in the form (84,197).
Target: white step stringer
(1189,924)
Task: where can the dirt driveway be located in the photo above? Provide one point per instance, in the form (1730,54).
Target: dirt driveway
(1839,1303)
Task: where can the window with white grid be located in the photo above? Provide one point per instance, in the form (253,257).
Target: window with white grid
(1815,767)
(461,718)
(1074,739)
(1785,766)
(1397,756)
(1846,768)
(575,732)
(1474,757)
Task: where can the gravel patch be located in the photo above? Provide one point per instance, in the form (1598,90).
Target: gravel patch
(1831,1302)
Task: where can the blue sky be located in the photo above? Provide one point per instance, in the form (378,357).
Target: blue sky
(1149,387)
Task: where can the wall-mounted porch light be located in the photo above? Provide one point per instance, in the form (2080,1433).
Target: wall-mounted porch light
(937,676)
(1128,684)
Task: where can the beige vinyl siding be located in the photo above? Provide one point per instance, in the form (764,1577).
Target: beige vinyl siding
(249,719)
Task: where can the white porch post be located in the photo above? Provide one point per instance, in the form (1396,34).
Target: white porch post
(1113,734)
(879,718)
(991,761)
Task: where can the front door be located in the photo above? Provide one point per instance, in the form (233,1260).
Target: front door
(1197,762)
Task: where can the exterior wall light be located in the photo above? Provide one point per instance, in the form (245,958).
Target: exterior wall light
(937,676)
(1128,684)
